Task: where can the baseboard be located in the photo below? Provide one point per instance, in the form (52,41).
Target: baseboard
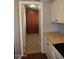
(17,56)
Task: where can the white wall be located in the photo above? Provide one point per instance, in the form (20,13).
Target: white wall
(60,27)
(16,29)
(46,0)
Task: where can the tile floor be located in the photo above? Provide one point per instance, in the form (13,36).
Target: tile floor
(32,44)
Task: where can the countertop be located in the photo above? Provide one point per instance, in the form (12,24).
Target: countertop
(55,37)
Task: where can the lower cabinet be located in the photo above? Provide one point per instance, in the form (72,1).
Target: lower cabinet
(47,50)
(50,50)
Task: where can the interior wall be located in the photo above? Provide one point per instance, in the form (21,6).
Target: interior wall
(17,46)
(46,0)
(60,27)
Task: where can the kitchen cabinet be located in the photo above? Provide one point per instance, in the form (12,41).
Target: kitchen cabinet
(49,40)
(57,11)
(47,49)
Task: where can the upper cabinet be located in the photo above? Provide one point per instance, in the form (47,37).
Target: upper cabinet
(57,11)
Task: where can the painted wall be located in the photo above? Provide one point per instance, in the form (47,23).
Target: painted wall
(16,29)
(60,28)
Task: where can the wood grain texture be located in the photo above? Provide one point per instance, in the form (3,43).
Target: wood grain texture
(32,21)
(55,37)
(35,56)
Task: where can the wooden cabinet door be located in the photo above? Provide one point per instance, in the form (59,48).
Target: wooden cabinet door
(57,11)
(47,50)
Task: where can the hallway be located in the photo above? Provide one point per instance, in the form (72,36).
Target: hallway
(32,44)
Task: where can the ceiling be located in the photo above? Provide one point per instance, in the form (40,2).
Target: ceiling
(40,0)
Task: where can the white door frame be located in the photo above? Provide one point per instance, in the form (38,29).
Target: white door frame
(22,20)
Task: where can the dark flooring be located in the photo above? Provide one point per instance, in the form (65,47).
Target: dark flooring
(35,56)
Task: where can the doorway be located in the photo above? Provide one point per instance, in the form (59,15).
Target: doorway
(32,41)
(22,19)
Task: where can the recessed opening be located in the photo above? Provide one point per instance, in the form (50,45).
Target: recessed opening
(32,44)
